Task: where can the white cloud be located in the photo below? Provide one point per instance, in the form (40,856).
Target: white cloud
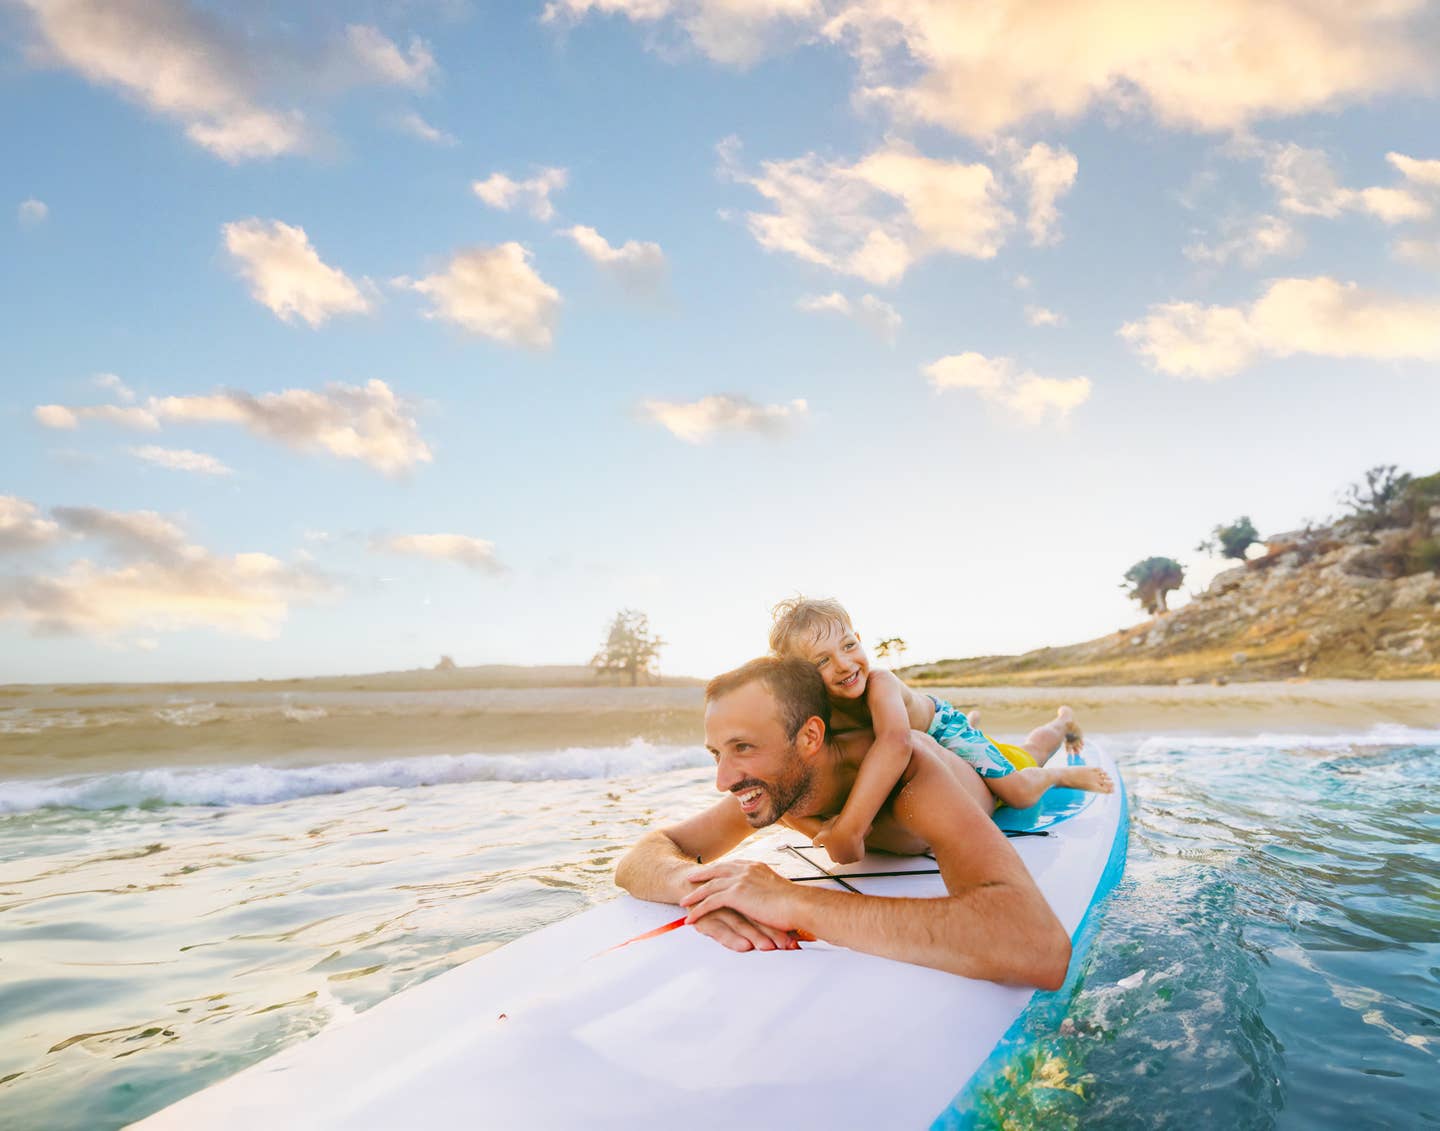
(378,55)
(416,126)
(22,528)
(368,423)
(69,417)
(213,69)
(737,32)
(493,291)
(181,459)
(984,68)
(1000,381)
(112,382)
(1422,171)
(1048,174)
(695,422)
(1263,237)
(159,582)
(32,212)
(179,61)
(872,312)
(1424,252)
(877,217)
(639,266)
(287,275)
(1319,316)
(500,191)
(1306,185)
(1043,316)
(473,553)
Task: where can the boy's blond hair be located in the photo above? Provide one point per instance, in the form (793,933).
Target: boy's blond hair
(805,618)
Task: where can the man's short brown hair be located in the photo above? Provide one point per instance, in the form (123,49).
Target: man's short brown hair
(797,686)
(805,618)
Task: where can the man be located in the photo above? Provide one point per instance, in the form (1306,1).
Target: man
(767,725)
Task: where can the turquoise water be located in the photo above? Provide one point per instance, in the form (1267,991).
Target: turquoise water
(1270,959)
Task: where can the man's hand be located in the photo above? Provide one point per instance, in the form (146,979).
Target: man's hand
(757,892)
(731,929)
(844,844)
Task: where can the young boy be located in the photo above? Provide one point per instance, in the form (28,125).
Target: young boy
(820,631)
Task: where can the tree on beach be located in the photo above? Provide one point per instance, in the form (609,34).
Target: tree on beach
(629,648)
(890,646)
(1231,541)
(1150,580)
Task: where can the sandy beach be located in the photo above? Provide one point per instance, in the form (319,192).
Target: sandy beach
(54,731)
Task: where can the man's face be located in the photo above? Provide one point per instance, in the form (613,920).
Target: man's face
(754,760)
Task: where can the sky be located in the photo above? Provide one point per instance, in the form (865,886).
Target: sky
(338,337)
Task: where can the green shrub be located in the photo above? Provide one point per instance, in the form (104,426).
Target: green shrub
(1424,556)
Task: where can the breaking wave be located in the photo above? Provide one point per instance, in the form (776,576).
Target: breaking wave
(263,785)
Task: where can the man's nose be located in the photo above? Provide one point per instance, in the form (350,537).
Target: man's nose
(725,775)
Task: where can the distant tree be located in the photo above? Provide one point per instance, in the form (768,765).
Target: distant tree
(1231,541)
(1372,500)
(629,648)
(446,664)
(1151,579)
(890,646)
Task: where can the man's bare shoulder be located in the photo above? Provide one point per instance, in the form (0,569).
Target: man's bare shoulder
(933,770)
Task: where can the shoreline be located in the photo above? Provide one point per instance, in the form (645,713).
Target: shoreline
(54,734)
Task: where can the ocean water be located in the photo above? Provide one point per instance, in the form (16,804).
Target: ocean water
(1270,959)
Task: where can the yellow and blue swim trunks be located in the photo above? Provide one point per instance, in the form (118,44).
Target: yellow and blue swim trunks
(952,730)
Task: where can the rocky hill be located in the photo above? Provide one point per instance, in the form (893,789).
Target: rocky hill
(1357,599)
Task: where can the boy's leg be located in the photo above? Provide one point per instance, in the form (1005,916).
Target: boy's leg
(1043,741)
(1024,787)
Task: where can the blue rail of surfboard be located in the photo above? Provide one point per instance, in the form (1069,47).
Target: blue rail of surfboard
(961,1114)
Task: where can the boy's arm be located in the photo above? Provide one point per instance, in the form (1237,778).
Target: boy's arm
(880,769)
(655,868)
(993,924)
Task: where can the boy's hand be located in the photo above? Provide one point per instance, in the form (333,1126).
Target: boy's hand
(844,844)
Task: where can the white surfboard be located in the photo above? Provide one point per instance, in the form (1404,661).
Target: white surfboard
(558,1030)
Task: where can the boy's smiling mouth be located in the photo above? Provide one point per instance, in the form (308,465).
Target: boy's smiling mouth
(850,680)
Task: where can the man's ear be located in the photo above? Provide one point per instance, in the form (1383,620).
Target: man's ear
(811,736)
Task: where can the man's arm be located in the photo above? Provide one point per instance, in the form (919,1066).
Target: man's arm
(993,924)
(655,868)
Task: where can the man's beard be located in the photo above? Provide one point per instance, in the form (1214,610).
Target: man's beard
(782,793)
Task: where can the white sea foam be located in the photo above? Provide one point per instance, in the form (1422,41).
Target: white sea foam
(1382,734)
(262,785)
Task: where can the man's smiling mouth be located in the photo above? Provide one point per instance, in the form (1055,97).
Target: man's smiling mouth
(750,799)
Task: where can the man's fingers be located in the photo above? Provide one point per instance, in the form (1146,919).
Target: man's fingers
(717,929)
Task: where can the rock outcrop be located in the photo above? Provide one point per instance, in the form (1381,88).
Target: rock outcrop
(1342,601)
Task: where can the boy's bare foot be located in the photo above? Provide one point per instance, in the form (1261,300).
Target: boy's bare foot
(1090,778)
(974,718)
(1074,736)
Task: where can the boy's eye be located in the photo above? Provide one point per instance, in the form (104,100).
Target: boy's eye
(821,663)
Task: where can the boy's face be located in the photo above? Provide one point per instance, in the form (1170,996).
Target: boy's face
(842,662)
